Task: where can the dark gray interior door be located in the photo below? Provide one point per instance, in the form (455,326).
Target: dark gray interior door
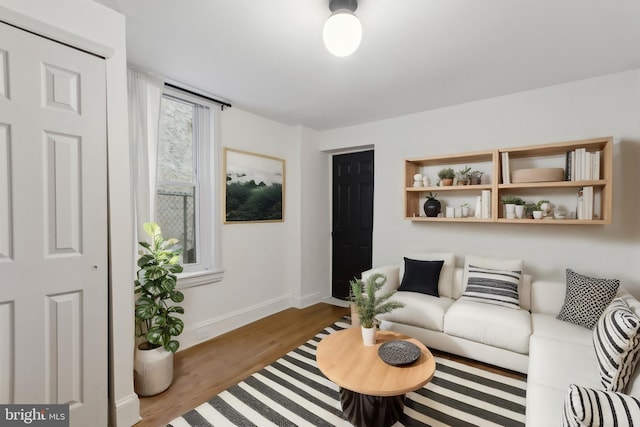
(352,219)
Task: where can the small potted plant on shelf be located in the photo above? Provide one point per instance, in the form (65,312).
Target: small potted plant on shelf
(432,206)
(462,176)
(542,209)
(510,201)
(156,320)
(520,208)
(465,209)
(446,176)
(528,210)
(475,177)
(368,303)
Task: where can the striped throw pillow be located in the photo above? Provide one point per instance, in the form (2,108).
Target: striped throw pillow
(589,407)
(492,286)
(616,340)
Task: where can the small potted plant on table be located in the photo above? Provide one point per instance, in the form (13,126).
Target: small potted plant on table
(368,304)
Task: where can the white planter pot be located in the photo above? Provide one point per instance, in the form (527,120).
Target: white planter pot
(368,336)
(153,371)
(510,210)
(519,211)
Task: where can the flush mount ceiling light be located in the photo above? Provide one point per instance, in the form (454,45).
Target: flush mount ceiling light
(342,32)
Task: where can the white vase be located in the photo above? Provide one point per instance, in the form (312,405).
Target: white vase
(519,211)
(510,210)
(153,371)
(368,336)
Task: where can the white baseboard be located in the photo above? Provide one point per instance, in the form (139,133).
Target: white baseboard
(307,300)
(126,412)
(336,301)
(211,328)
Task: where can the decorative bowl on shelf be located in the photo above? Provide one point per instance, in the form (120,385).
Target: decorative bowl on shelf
(560,215)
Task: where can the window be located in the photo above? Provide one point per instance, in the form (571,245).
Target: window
(186,194)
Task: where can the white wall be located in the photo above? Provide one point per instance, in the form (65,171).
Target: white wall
(315,214)
(83,23)
(604,106)
(261,261)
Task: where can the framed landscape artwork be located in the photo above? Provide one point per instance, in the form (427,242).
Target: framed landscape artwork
(254,188)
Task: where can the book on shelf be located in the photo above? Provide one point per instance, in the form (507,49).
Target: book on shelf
(582,165)
(585,204)
(506,175)
(486,203)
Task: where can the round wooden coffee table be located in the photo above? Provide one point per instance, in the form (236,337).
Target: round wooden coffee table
(371,391)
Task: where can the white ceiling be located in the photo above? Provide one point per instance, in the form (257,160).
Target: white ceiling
(267,56)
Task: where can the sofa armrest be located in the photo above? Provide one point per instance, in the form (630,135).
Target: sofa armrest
(590,407)
(547,297)
(391,272)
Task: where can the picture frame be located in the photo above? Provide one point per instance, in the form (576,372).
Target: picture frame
(254,187)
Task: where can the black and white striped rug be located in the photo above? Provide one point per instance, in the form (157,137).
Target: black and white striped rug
(293,392)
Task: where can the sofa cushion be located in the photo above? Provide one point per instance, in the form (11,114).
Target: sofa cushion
(586,298)
(559,363)
(588,407)
(489,324)
(546,325)
(421,310)
(445,281)
(493,286)
(421,276)
(616,341)
(544,405)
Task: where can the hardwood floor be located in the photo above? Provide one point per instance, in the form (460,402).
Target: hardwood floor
(207,369)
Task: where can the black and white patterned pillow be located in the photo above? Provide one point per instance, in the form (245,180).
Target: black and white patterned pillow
(616,340)
(586,298)
(492,286)
(589,407)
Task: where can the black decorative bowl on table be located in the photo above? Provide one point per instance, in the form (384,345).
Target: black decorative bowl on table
(399,353)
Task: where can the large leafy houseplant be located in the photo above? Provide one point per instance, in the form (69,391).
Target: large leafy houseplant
(155,288)
(367,300)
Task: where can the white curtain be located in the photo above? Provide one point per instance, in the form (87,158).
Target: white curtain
(145,94)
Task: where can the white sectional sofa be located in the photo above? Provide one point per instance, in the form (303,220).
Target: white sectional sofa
(529,339)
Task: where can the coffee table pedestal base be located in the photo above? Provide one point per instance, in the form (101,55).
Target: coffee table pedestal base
(363,410)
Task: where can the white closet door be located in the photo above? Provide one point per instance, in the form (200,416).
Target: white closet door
(53,226)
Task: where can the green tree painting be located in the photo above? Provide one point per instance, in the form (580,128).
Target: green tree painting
(255,187)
